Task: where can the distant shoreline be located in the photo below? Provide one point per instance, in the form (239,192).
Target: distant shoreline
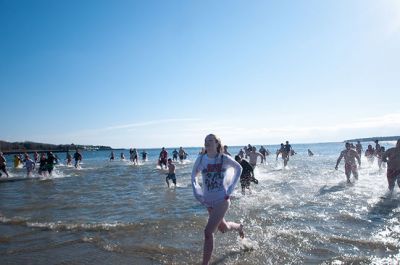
(371,139)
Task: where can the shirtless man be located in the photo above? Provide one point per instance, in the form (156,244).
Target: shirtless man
(285,155)
(171,172)
(253,154)
(392,157)
(359,148)
(350,166)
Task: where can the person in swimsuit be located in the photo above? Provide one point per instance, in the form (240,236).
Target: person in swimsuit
(392,157)
(359,148)
(350,166)
(171,173)
(253,154)
(214,194)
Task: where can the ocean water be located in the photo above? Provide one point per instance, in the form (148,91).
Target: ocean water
(119,213)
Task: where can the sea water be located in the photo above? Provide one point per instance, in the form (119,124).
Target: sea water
(114,212)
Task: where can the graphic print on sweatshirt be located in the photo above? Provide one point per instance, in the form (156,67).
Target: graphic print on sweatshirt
(213,178)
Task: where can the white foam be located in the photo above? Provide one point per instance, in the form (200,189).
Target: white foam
(248,244)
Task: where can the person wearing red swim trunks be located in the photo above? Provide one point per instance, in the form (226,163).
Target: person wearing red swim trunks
(392,157)
(350,166)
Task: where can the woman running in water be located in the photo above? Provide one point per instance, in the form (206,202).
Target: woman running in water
(213,194)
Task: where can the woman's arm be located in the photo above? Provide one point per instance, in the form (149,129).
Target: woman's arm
(237,168)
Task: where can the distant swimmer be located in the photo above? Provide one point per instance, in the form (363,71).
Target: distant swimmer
(253,154)
(377,147)
(42,165)
(112,157)
(122,156)
(284,153)
(78,158)
(310,153)
(241,153)
(264,151)
(135,156)
(51,161)
(175,155)
(3,164)
(171,173)
(182,154)
(69,159)
(202,151)
(392,157)
(29,165)
(359,148)
(215,191)
(370,154)
(379,156)
(247,175)
(144,155)
(350,166)
(226,152)
(162,159)
(36,157)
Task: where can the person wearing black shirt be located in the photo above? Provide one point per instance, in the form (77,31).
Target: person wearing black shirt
(247,175)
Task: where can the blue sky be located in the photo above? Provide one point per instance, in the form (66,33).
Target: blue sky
(167,73)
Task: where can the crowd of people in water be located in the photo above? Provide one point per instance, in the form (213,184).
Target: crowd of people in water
(212,163)
(247,157)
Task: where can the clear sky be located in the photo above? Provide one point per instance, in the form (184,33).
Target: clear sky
(166,73)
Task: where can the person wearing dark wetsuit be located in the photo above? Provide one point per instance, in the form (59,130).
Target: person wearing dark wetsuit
(247,175)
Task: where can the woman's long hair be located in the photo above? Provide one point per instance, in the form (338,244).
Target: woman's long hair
(220,149)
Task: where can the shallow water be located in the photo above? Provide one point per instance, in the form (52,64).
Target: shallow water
(118,213)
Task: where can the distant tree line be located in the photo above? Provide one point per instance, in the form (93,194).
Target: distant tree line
(19,147)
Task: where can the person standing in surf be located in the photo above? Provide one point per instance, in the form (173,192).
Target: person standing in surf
(78,158)
(247,175)
(213,194)
(29,165)
(359,148)
(392,157)
(162,159)
(350,166)
(171,173)
(3,164)
(253,154)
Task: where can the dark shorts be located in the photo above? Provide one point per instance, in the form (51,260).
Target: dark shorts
(171,177)
(163,161)
(3,168)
